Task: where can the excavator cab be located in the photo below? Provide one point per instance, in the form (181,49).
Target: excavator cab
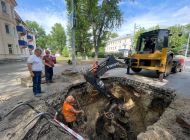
(153,53)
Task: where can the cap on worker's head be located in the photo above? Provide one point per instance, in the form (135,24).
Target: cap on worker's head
(47,52)
(70,99)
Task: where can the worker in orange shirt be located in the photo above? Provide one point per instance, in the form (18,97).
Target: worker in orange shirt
(69,112)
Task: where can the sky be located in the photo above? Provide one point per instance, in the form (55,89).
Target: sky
(143,13)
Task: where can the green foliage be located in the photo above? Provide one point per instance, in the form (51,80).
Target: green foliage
(103,17)
(114,35)
(57,38)
(65,52)
(82,35)
(153,28)
(100,55)
(96,16)
(118,54)
(175,40)
(41,38)
(137,34)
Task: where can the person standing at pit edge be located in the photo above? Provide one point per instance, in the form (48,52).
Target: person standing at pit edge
(35,67)
(49,64)
(94,68)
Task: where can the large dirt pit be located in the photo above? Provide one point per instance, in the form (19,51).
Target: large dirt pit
(140,106)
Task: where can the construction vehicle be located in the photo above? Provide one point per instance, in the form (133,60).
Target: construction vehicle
(94,79)
(153,53)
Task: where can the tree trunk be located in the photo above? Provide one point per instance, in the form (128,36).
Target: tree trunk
(96,52)
(95,44)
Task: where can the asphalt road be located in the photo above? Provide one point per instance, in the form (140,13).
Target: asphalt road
(179,81)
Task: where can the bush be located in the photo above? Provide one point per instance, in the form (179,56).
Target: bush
(65,52)
(100,55)
(118,54)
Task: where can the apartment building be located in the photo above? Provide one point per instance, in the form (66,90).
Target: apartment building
(16,41)
(120,44)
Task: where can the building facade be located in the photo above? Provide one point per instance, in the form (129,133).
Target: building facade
(16,41)
(120,44)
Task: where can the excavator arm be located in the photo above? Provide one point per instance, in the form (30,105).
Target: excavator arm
(94,79)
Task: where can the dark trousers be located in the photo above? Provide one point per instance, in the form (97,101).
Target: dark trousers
(71,124)
(37,82)
(48,73)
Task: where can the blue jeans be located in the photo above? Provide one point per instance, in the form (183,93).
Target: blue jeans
(37,82)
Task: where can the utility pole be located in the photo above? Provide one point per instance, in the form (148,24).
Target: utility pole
(187,48)
(133,35)
(73,25)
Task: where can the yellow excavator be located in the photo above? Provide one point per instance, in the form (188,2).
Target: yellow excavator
(153,53)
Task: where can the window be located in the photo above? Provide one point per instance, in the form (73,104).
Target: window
(7,28)
(4,8)
(10,49)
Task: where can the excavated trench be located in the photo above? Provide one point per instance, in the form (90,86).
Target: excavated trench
(141,106)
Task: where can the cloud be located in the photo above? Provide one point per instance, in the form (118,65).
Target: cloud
(130,2)
(45,17)
(158,16)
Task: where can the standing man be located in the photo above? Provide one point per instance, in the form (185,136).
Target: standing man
(49,64)
(35,67)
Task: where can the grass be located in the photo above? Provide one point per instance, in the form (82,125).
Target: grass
(61,58)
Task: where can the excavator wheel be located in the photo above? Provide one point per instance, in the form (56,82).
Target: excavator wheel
(137,70)
(168,66)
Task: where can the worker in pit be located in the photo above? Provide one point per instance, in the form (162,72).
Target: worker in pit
(94,68)
(69,112)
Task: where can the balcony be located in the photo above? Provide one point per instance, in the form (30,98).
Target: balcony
(31,47)
(21,30)
(30,37)
(22,43)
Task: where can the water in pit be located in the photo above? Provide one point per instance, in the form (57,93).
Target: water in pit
(139,109)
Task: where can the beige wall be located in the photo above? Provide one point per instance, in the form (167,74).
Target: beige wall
(11,37)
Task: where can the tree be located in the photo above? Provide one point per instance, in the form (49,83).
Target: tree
(65,52)
(114,35)
(153,28)
(176,42)
(82,35)
(103,16)
(39,31)
(137,34)
(57,38)
(94,19)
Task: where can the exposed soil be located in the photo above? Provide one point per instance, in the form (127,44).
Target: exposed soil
(141,109)
(149,113)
